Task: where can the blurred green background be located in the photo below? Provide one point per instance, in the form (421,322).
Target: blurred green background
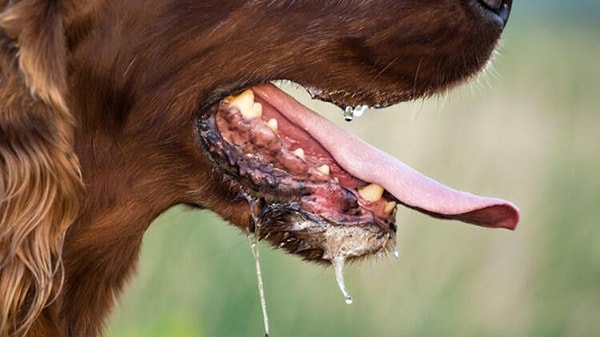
(528,130)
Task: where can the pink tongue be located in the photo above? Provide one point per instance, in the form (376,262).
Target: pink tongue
(368,163)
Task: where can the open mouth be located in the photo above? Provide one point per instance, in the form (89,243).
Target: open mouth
(319,191)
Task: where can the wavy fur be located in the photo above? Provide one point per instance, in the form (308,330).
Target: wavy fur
(39,180)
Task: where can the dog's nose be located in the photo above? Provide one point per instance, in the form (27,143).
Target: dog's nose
(499,7)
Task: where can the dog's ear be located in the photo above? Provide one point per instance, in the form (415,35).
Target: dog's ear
(40,183)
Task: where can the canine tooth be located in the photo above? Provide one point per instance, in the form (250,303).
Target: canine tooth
(389,207)
(272,124)
(324,169)
(372,192)
(245,102)
(299,152)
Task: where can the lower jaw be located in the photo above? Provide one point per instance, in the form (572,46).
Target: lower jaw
(316,238)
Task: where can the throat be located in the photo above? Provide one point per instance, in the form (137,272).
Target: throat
(100,255)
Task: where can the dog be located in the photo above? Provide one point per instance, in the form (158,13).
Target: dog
(113,111)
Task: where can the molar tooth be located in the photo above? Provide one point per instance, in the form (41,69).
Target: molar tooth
(272,124)
(372,192)
(299,152)
(324,169)
(389,207)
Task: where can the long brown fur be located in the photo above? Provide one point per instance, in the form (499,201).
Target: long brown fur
(40,182)
(99,101)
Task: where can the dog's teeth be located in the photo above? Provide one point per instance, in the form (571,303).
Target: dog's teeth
(372,192)
(324,169)
(299,152)
(389,207)
(252,111)
(273,125)
(255,112)
(243,100)
(245,103)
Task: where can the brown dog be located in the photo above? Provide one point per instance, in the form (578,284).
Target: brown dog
(113,111)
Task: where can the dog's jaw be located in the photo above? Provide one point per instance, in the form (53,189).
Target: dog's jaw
(143,73)
(295,167)
(299,197)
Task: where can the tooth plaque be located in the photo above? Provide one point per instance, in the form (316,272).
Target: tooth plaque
(245,103)
(372,192)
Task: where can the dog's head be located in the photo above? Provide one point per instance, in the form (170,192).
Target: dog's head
(182,91)
(167,102)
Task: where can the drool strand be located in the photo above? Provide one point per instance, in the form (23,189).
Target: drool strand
(253,239)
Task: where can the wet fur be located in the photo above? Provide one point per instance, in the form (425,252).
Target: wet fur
(91,90)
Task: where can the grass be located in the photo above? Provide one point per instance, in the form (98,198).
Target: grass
(531,137)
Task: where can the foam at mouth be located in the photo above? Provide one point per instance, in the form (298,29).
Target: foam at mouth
(372,165)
